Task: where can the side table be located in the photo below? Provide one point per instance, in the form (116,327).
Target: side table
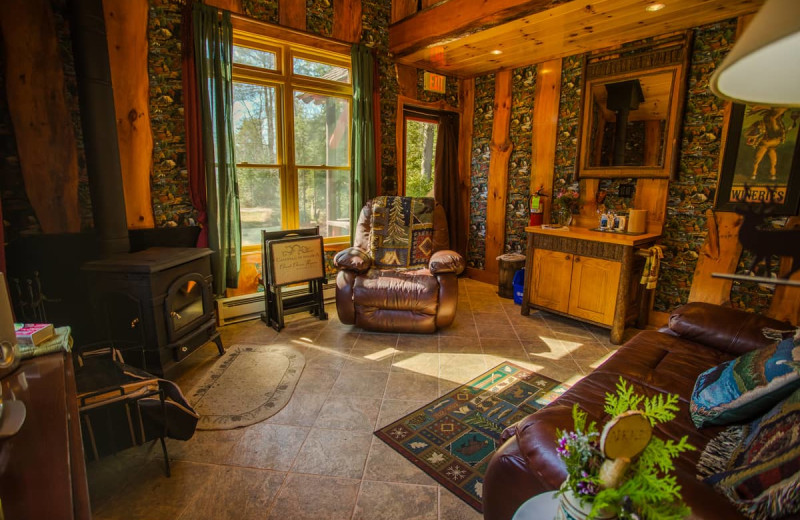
(543,506)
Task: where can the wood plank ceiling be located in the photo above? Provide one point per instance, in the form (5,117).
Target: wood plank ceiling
(466,38)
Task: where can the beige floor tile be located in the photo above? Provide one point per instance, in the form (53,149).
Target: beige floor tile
(110,474)
(268,446)
(502,346)
(301,410)
(335,453)
(424,363)
(410,386)
(370,359)
(490,304)
(418,343)
(394,409)
(460,345)
(336,339)
(380,501)
(548,348)
(453,508)
(151,495)
(463,325)
(212,447)
(316,380)
(585,350)
(324,358)
(234,494)
(311,497)
(361,383)
(376,342)
(496,331)
(386,465)
(345,412)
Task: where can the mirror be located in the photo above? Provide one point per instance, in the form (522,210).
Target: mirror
(631,113)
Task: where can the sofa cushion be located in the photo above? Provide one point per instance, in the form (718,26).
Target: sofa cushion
(740,389)
(414,290)
(762,476)
(401,234)
(729,330)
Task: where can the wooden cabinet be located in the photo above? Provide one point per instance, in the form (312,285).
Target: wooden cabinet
(593,289)
(587,275)
(552,271)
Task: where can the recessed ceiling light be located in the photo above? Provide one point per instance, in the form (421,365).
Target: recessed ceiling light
(496,52)
(652,8)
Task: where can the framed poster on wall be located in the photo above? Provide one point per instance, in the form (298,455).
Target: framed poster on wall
(761,161)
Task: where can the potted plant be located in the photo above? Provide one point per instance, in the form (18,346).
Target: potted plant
(566,201)
(624,471)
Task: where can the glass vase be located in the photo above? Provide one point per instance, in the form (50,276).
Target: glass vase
(562,217)
(570,507)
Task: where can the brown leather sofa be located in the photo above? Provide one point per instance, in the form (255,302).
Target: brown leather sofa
(699,336)
(422,298)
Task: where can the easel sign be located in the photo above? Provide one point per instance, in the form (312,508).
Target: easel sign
(292,257)
(294,260)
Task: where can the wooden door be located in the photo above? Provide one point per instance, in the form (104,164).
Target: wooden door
(593,292)
(551,279)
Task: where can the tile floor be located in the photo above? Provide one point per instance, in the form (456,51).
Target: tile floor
(317,458)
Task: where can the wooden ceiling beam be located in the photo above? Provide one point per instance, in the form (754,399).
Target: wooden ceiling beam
(455,19)
(567,29)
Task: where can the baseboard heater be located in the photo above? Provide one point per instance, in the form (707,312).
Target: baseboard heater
(250,306)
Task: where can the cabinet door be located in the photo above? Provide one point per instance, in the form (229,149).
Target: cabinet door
(593,294)
(551,279)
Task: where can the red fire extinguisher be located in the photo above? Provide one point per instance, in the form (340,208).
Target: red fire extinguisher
(536,207)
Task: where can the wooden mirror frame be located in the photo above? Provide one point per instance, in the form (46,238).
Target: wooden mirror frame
(666,54)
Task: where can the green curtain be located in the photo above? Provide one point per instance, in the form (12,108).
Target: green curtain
(213,43)
(362,186)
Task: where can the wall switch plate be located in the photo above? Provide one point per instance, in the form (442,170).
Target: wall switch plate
(626,190)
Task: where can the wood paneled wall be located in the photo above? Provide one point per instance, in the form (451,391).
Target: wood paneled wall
(46,143)
(126,27)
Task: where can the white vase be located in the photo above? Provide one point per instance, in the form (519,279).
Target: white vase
(570,507)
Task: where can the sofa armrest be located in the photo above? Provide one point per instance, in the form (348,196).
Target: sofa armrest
(353,259)
(728,330)
(446,261)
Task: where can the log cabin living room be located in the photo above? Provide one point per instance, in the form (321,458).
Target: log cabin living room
(400,259)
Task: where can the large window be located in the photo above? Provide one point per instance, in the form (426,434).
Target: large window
(291,123)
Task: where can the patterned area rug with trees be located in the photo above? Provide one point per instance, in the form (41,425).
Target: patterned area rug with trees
(453,438)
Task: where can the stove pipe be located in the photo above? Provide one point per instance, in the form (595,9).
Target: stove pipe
(98,118)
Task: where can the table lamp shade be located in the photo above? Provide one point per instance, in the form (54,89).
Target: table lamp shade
(763,66)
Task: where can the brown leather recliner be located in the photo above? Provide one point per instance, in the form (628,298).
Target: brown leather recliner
(399,276)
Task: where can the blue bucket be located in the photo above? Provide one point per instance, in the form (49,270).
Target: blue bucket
(519,286)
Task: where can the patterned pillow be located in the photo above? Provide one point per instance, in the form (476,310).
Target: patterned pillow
(740,389)
(762,473)
(402,231)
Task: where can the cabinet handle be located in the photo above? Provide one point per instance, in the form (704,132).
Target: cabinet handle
(175,315)
(577,259)
(184,349)
(134,322)
(567,257)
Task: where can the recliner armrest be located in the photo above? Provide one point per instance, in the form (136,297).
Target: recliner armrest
(446,261)
(353,259)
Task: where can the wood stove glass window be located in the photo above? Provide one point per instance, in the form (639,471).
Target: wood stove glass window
(188,301)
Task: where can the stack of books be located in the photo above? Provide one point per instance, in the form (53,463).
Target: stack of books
(33,333)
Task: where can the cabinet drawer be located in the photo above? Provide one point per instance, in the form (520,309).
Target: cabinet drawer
(593,291)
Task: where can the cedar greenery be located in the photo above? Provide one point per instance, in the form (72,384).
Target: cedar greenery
(649,490)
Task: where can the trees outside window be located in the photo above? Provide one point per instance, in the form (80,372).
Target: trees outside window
(292,116)
(420,150)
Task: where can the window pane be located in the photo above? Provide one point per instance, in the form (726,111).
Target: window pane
(259,202)
(254,124)
(324,198)
(316,69)
(420,151)
(254,57)
(321,130)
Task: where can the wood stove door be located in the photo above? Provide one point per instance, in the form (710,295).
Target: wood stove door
(188,304)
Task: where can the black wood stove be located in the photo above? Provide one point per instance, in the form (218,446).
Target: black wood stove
(160,298)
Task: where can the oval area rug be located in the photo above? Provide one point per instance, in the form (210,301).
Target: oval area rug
(252,383)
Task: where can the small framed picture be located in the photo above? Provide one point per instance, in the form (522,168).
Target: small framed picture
(761,161)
